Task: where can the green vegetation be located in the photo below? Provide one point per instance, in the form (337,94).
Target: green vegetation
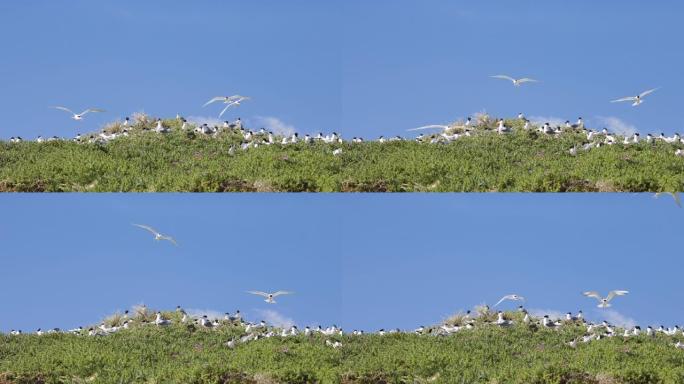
(186,161)
(191,354)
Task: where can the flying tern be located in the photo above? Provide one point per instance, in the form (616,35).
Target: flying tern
(79,116)
(157,236)
(270,296)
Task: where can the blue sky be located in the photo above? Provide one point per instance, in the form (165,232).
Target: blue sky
(359,261)
(362,68)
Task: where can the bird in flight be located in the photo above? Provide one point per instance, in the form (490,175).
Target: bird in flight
(79,116)
(604,302)
(516,82)
(270,296)
(434,126)
(513,297)
(638,99)
(157,236)
(675,196)
(443,127)
(230,101)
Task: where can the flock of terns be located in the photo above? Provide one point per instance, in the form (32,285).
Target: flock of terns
(595,139)
(468,321)
(449,133)
(483,317)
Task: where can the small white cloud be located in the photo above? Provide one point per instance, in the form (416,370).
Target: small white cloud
(553,121)
(275,125)
(616,125)
(211,314)
(553,314)
(616,318)
(275,318)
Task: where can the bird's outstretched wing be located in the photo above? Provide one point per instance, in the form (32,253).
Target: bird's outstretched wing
(612,294)
(148,228)
(527,80)
(259,293)
(170,239)
(215,99)
(628,98)
(593,294)
(91,110)
(503,77)
(502,299)
(510,297)
(64,109)
(642,94)
(435,126)
(675,196)
(280,293)
(230,104)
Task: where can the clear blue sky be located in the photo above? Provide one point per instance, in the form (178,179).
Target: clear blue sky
(360,261)
(362,68)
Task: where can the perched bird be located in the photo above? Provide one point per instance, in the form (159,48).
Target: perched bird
(270,296)
(79,116)
(157,236)
(516,82)
(160,321)
(604,302)
(501,321)
(637,100)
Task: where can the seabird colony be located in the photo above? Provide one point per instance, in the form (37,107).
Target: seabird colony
(588,139)
(482,318)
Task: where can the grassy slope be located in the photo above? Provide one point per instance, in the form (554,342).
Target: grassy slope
(522,161)
(490,355)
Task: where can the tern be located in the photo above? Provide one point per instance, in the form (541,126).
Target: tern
(637,100)
(157,236)
(512,297)
(604,302)
(79,116)
(501,321)
(270,296)
(516,82)
(161,321)
(230,101)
